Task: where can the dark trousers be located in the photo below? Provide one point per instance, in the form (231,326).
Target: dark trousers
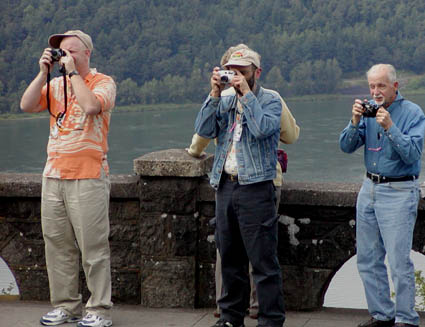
(247,231)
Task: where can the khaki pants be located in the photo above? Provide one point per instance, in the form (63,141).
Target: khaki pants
(74,218)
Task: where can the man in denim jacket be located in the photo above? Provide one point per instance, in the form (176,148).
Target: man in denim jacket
(246,126)
(392,135)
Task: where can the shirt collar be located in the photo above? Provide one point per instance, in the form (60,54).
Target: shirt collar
(396,101)
(91,74)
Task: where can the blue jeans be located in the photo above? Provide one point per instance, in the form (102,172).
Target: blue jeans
(386,216)
(247,231)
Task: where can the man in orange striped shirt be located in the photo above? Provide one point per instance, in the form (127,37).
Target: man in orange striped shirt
(75,189)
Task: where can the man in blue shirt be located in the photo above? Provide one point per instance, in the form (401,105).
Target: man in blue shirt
(388,200)
(246,125)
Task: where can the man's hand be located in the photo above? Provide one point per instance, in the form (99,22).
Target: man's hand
(216,86)
(46,61)
(383,118)
(67,61)
(357,112)
(240,84)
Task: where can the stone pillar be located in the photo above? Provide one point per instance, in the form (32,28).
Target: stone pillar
(169,191)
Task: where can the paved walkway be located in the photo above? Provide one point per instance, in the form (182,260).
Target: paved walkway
(25,314)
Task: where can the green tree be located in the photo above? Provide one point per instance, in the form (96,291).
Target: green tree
(274,80)
(128,92)
(302,79)
(163,43)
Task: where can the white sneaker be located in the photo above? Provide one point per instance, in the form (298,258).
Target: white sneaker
(57,317)
(93,320)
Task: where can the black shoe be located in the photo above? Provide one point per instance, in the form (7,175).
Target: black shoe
(372,322)
(224,323)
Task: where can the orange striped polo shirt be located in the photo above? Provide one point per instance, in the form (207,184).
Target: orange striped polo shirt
(78,150)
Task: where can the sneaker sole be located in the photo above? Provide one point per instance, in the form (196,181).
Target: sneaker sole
(105,324)
(55,323)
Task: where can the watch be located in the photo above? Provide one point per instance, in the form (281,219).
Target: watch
(74,72)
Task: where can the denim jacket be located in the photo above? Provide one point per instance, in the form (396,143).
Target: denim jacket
(256,152)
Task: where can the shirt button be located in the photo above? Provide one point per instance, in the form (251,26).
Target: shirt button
(374,163)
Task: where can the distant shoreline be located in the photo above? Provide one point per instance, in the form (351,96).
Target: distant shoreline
(352,91)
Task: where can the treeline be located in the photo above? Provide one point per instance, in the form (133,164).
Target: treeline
(162,51)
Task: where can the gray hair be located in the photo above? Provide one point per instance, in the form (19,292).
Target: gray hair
(390,70)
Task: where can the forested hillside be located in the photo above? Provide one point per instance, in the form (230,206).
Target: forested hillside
(162,51)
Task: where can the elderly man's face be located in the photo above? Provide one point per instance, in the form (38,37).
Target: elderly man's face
(381,88)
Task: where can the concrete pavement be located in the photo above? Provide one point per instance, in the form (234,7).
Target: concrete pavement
(26,314)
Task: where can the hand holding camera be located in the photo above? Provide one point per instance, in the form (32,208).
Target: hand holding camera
(357,111)
(67,61)
(383,118)
(223,78)
(46,61)
(216,85)
(240,83)
(50,56)
(366,109)
(363,108)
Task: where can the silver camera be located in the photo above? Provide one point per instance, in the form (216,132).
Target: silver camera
(226,76)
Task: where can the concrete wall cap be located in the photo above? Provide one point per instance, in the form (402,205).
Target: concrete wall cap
(172,162)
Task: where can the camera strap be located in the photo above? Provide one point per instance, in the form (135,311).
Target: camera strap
(60,116)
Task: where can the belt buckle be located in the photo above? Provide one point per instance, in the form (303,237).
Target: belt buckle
(375,178)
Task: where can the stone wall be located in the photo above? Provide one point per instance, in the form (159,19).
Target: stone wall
(163,251)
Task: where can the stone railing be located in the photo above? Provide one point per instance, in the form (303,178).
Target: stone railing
(163,250)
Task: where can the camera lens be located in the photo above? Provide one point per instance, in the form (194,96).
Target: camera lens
(57,54)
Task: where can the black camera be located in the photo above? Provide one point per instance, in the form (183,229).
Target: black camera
(57,54)
(370,110)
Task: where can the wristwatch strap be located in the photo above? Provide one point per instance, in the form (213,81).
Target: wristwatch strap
(74,72)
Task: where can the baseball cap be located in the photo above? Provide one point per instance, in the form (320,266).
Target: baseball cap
(244,57)
(55,39)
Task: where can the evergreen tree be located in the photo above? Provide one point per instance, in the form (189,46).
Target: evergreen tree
(149,46)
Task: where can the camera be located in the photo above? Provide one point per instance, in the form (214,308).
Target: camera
(370,109)
(57,54)
(226,76)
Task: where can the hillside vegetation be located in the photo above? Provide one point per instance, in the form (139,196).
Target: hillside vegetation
(162,51)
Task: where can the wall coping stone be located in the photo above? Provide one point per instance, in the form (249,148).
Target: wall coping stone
(20,185)
(172,162)
(126,186)
(29,185)
(320,194)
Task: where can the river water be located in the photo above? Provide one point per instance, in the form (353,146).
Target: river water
(314,157)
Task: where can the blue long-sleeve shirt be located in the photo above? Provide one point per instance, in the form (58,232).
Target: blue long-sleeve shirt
(392,153)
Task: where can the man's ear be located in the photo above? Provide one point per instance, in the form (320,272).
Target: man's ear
(258,73)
